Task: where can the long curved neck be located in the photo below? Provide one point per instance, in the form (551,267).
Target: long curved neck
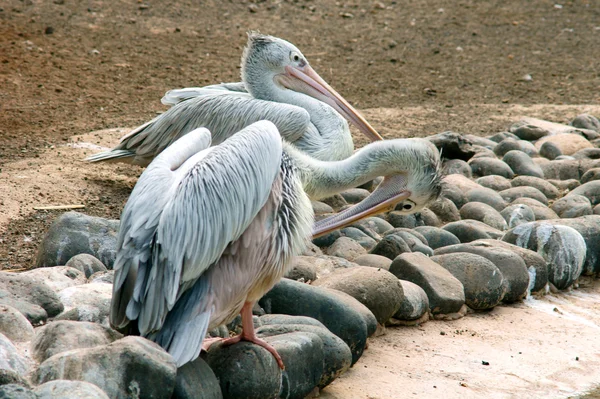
(322,179)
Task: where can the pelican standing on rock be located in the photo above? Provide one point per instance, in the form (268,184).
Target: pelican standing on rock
(277,85)
(207,232)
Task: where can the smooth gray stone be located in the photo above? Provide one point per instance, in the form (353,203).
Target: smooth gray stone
(487,196)
(372,260)
(360,237)
(483,282)
(563,248)
(429,218)
(572,206)
(11,360)
(590,175)
(64,335)
(355,195)
(87,264)
(510,264)
(106,277)
(391,246)
(14,325)
(16,391)
(587,153)
(452,194)
(596,210)
(16,288)
(548,189)
(446,210)
(339,312)
(415,303)
(490,166)
(399,219)
(481,141)
(518,214)
(494,182)
(453,145)
(336,201)
(408,234)
(377,289)
(35,314)
(444,291)
(561,170)
(56,277)
(585,121)
(517,192)
(550,150)
(590,190)
(327,239)
(376,224)
(347,248)
(303,267)
(482,152)
(528,132)
(484,213)
(61,389)
(457,166)
(74,233)
(196,380)
(499,137)
(126,365)
(437,237)
(88,302)
(563,185)
(510,144)
(471,230)
(321,208)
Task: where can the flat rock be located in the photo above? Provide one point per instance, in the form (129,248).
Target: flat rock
(372,260)
(509,144)
(511,265)
(20,288)
(89,302)
(548,189)
(377,289)
(132,365)
(446,210)
(471,230)
(484,213)
(347,248)
(487,196)
(445,292)
(11,360)
(61,389)
(58,277)
(456,166)
(437,237)
(490,166)
(74,233)
(572,206)
(14,325)
(415,303)
(517,214)
(391,246)
(494,182)
(591,190)
(567,143)
(86,263)
(64,335)
(483,282)
(522,164)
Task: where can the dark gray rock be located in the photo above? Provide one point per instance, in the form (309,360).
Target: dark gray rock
(511,265)
(415,303)
(16,391)
(16,288)
(483,152)
(452,194)
(347,248)
(339,312)
(445,292)
(74,233)
(364,240)
(437,237)
(457,166)
(483,283)
(490,166)
(484,213)
(517,214)
(591,190)
(572,206)
(471,230)
(550,150)
(510,144)
(481,141)
(62,336)
(303,267)
(494,182)
(327,239)
(453,145)
(416,242)
(590,175)
(563,248)
(61,389)
(529,132)
(373,224)
(88,302)
(11,360)
(517,192)
(446,210)
(487,196)
(14,325)
(87,264)
(125,368)
(196,380)
(355,195)
(499,137)
(377,289)
(391,246)
(585,121)
(549,190)
(12,377)
(372,260)
(398,219)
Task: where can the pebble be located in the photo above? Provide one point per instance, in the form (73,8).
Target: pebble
(355,195)
(483,152)
(585,121)
(74,233)
(453,145)
(196,377)
(444,291)
(548,189)
(510,144)
(587,153)
(522,164)
(346,248)
(415,303)
(517,214)
(321,208)
(106,277)
(511,265)
(563,185)
(372,260)
(437,237)
(377,289)
(484,213)
(364,240)
(590,190)
(399,219)
(471,230)
(129,367)
(550,150)
(490,166)
(303,268)
(17,290)
(481,141)
(446,210)
(327,239)
(561,170)
(540,210)
(517,192)
(429,218)
(58,277)
(11,360)
(416,242)
(572,206)
(89,302)
(391,246)
(14,325)
(61,389)
(487,196)
(375,224)
(336,201)
(590,175)
(499,137)
(596,210)
(457,166)
(526,131)
(567,143)
(452,194)
(460,182)
(86,263)
(483,283)
(494,182)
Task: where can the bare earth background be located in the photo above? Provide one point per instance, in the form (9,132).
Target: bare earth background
(70,67)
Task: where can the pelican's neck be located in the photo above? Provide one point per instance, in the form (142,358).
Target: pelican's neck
(322,179)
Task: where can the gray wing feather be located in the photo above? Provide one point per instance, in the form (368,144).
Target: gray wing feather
(176,96)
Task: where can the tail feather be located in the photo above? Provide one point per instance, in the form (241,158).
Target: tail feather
(111,156)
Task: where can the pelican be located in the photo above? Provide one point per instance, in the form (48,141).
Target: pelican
(278,85)
(207,231)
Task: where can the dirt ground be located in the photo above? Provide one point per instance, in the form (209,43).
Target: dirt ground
(415,67)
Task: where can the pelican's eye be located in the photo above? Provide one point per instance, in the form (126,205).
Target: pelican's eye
(408,205)
(295,56)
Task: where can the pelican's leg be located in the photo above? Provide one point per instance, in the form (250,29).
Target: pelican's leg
(248,334)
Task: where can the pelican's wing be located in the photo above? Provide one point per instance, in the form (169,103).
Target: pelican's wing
(176,96)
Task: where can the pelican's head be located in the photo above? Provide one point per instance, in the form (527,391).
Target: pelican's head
(271,65)
(412,178)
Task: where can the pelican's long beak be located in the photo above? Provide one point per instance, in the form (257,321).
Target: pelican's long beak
(390,192)
(307,81)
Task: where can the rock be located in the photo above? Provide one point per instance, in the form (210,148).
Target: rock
(511,265)
(321,208)
(572,206)
(483,152)
(490,166)
(327,239)
(562,247)
(35,314)
(377,289)
(391,246)
(526,131)
(499,137)
(106,277)
(445,292)
(16,288)
(57,277)
(517,214)
(494,182)
(587,153)
(487,196)
(14,325)
(585,121)
(132,366)
(303,267)
(561,170)
(415,303)
(346,248)
(481,141)
(437,237)
(596,210)
(461,182)
(450,194)
(371,184)
(453,145)
(567,143)
(65,335)
(89,302)
(510,144)
(416,242)
(549,191)
(11,360)
(372,260)
(355,195)
(550,150)
(563,185)
(540,210)
(365,241)
(399,219)
(336,201)
(445,210)
(483,283)
(373,224)
(517,192)
(61,389)
(522,164)
(457,166)
(87,264)
(196,380)
(74,233)
(471,230)
(15,391)
(11,377)
(484,213)
(590,175)
(339,312)
(429,218)
(590,190)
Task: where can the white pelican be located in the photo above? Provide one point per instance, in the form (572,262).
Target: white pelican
(278,85)
(207,231)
